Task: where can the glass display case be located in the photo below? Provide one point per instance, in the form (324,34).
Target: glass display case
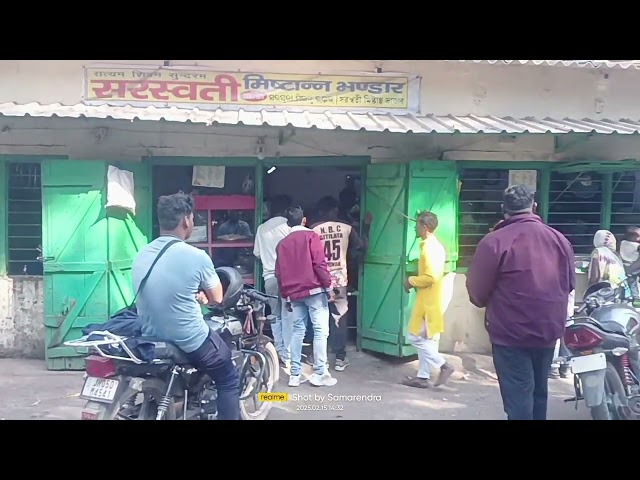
(224,227)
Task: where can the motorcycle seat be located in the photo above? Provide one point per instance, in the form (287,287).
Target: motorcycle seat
(168,351)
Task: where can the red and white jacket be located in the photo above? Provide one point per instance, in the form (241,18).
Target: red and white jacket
(301,266)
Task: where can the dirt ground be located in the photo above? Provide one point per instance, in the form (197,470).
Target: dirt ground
(29,391)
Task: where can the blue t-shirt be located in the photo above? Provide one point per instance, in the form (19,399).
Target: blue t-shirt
(167,303)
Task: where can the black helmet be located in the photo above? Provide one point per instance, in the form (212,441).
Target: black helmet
(232,285)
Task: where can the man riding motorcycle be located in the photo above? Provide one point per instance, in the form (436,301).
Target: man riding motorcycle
(169,304)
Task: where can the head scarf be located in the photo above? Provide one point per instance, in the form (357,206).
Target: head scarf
(604,238)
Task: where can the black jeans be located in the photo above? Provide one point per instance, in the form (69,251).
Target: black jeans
(213,357)
(523,376)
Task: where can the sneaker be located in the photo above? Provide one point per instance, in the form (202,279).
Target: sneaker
(325,380)
(341,364)
(308,359)
(285,364)
(445,372)
(417,382)
(294,380)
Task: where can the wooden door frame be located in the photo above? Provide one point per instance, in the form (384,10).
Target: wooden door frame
(357,162)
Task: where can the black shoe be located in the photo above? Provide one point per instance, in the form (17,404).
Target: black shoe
(445,372)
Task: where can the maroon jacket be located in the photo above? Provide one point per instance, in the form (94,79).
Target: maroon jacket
(523,273)
(301,267)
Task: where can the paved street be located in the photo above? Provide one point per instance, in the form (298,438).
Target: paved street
(28,391)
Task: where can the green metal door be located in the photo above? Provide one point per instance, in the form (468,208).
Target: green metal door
(433,186)
(74,247)
(381,319)
(128,233)
(87,251)
(393,248)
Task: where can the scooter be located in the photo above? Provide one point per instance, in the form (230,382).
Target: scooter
(602,341)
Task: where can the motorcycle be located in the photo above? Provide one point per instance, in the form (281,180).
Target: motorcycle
(121,386)
(601,338)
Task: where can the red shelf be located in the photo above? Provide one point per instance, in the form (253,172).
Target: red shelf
(226,202)
(219,203)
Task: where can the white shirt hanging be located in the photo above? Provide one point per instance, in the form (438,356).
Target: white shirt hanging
(120,189)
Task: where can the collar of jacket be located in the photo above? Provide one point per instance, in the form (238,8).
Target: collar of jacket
(520,218)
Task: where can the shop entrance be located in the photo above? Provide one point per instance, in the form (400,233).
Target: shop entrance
(224,211)
(229,209)
(306,186)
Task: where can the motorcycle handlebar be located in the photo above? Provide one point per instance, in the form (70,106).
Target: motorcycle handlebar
(582,308)
(259,297)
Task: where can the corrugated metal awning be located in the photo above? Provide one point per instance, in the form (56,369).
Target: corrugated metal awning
(369,122)
(612,64)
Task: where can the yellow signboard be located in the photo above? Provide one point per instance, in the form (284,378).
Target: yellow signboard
(174,85)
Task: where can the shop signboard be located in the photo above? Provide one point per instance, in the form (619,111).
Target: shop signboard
(192,87)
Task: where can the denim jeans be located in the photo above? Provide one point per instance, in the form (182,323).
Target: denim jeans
(523,374)
(315,308)
(338,334)
(213,357)
(282,328)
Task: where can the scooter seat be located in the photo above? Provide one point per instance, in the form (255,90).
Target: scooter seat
(613,327)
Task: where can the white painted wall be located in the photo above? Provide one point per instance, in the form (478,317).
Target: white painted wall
(21,317)
(447,88)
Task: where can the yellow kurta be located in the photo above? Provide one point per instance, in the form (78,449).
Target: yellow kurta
(428,304)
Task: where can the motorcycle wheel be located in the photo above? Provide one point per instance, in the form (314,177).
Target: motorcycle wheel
(127,407)
(612,387)
(271,376)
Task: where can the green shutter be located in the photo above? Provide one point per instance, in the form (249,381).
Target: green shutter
(74,230)
(433,186)
(386,307)
(87,254)
(382,294)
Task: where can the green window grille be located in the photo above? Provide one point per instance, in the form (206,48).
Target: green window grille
(575,199)
(24,226)
(625,202)
(575,207)
(480,206)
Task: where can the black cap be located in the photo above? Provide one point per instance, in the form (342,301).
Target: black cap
(518,199)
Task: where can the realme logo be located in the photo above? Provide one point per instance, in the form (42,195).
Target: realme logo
(272,397)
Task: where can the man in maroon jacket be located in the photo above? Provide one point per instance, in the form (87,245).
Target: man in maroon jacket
(304,282)
(522,272)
